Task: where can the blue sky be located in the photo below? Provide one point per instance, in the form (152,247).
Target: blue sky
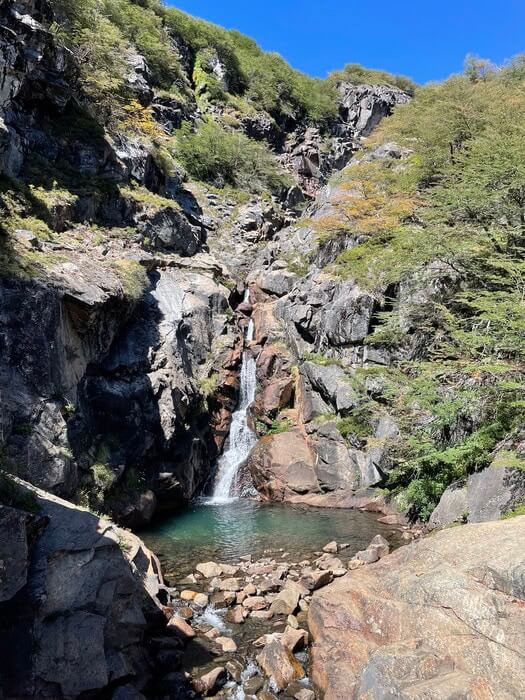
(425,39)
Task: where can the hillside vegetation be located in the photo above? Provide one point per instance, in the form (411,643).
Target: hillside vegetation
(441,243)
(101,32)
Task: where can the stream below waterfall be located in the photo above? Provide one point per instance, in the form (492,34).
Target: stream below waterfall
(233,531)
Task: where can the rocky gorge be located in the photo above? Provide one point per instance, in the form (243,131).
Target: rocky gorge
(138,281)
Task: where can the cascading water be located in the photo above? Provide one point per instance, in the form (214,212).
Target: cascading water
(242,437)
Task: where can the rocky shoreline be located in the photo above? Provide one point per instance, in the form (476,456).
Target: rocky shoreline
(248,620)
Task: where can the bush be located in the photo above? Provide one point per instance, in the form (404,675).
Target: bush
(212,154)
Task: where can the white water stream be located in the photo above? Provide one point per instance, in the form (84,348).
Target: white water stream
(242,438)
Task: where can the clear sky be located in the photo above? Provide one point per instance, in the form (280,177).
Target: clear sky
(424,39)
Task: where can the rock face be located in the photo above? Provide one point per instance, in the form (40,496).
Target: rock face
(74,606)
(486,495)
(440,618)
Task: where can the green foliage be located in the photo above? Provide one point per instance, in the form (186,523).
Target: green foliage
(214,154)
(515,512)
(16,495)
(209,385)
(318,359)
(358,423)
(354,73)
(509,459)
(279,426)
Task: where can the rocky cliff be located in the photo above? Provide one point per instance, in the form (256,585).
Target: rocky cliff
(120,342)
(162,181)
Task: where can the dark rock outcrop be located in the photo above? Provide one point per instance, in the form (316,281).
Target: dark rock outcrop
(76,594)
(486,495)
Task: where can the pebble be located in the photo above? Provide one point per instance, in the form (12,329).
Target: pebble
(331,547)
(201,600)
(227,644)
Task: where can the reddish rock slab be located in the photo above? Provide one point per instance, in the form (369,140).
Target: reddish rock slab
(443,617)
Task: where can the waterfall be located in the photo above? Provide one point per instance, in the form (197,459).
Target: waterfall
(242,438)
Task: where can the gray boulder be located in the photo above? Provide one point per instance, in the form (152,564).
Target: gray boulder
(486,495)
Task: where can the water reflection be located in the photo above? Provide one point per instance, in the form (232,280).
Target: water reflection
(242,527)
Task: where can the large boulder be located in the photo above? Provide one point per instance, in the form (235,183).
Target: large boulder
(440,618)
(282,464)
(74,603)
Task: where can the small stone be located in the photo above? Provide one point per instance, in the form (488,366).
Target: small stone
(185,613)
(213,633)
(294,639)
(331,547)
(228,570)
(368,556)
(188,581)
(223,599)
(379,539)
(187,595)
(355,564)
(211,681)
(255,603)
(266,639)
(305,694)
(230,584)
(287,600)
(381,549)
(201,600)
(253,685)
(292,621)
(316,580)
(279,664)
(235,669)
(249,589)
(331,564)
(303,605)
(262,614)
(236,615)
(181,627)
(209,569)
(227,644)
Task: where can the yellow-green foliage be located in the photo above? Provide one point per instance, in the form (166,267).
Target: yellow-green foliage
(458,201)
(209,385)
(139,120)
(148,198)
(133,277)
(509,459)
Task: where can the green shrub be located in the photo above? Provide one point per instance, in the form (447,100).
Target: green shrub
(279,426)
(133,277)
(216,155)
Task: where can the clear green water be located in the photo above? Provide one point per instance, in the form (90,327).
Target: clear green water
(228,531)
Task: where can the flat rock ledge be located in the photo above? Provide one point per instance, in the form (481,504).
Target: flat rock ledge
(441,618)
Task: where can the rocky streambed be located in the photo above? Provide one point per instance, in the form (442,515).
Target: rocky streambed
(238,627)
